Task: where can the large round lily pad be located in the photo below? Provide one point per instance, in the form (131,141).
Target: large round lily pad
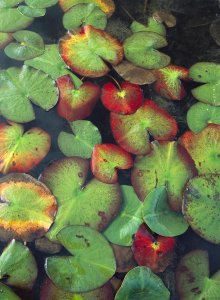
(27,208)
(98,201)
(91,262)
(11,19)
(201,206)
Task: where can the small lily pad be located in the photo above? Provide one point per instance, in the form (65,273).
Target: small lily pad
(141,284)
(85,136)
(11,19)
(41,3)
(31,11)
(18,265)
(7,293)
(86,247)
(5,39)
(152,26)
(9,3)
(201,206)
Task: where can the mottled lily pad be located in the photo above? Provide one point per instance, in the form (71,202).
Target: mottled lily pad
(27,208)
(11,19)
(131,132)
(86,247)
(41,3)
(7,293)
(5,39)
(152,26)
(99,202)
(31,11)
(18,265)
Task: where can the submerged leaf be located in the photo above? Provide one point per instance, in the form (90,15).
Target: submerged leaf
(163,16)
(124,258)
(11,19)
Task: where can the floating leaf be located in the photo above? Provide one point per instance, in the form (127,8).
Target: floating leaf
(140,284)
(200,115)
(7,293)
(31,11)
(19,86)
(86,247)
(30,44)
(87,51)
(85,136)
(27,208)
(209,74)
(5,39)
(169,165)
(12,20)
(201,206)
(159,217)
(163,16)
(152,26)
(131,132)
(125,225)
(9,3)
(204,147)
(41,3)
(76,103)
(124,258)
(99,202)
(18,265)
(84,14)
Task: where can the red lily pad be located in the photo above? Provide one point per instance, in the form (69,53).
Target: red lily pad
(88,51)
(169,84)
(204,148)
(76,103)
(123,101)
(168,164)
(106,158)
(132,132)
(154,253)
(16,146)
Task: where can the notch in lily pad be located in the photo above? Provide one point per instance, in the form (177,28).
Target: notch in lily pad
(151,25)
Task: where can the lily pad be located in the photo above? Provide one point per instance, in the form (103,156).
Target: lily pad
(27,208)
(124,258)
(30,44)
(209,74)
(152,26)
(204,148)
(5,39)
(86,247)
(200,115)
(41,3)
(18,265)
(84,14)
(140,284)
(164,16)
(9,3)
(159,217)
(201,206)
(141,50)
(7,293)
(11,19)
(19,86)
(169,165)
(99,202)
(85,136)
(31,11)
(132,132)
(88,51)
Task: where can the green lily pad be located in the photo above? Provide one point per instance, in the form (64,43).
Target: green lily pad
(159,217)
(200,115)
(18,265)
(201,206)
(82,14)
(11,19)
(140,284)
(85,136)
(19,86)
(51,63)
(5,39)
(98,201)
(166,165)
(7,293)
(152,26)
(86,268)
(209,74)
(30,44)
(141,50)
(31,11)
(9,3)
(41,3)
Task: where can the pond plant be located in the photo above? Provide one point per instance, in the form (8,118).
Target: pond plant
(104,217)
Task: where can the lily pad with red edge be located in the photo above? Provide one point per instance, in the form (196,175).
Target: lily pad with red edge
(132,132)
(51,292)
(41,3)
(107,6)
(89,51)
(5,39)
(168,82)
(107,159)
(90,256)
(204,147)
(192,277)
(16,146)
(209,74)
(7,293)
(18,265)
(152,26)
(201,206)
(200,115)
(31,11)
(99,202)
(141,50)
(76,103)
(154,253)
(168,164)
(140,284)
(124,258)
(27,208)
(12,20)
(125,100)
